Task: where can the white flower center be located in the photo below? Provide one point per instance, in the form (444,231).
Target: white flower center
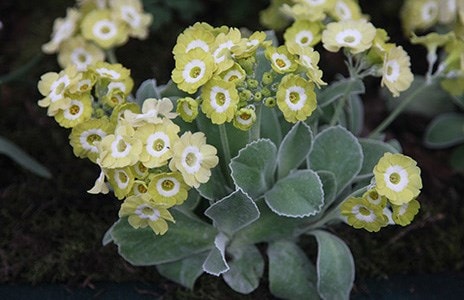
(81,58)
(121,178)
(403,209)
(145,211)
(304,38)
(245,122)
(105,72)
(116,86)
(64,31)
(84,85)
(220,54)
(343,11)
(295,97)
(168,186)
(315,2)
(197,44)
(392,70)
(396,178)
(131,16)
(157,144)
(186,108)
(191,159)
(119,148)
(429,11)
(194,71)
(219,99)
(58,87)
(281,61)
(88,137)
(349,37)
(104,30)
(74,111)
(232,75)
(364,214)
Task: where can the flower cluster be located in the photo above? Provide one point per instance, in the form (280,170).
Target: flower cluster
(139,150)
(391,199)
(229,76)
(82,37)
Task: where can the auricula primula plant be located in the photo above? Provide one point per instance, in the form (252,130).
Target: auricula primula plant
(247,150)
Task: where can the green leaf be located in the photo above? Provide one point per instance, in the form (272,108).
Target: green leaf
(338,89)
(329,185)
(268,227)
(216,188)
(233,212)
(246,269)
(147,89)
(22,158)
(141,247)
(254,167)
(300,194)
(355,115)
(185,271)
(291,273)
(107,237)
(445,131)
(335,266)
(170,90)
(215,263)
(373,150)
(294,149)
(270,125)
(457,159)
(337,150)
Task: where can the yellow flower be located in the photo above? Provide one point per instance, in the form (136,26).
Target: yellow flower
(168,189)
(309,59)
(100,186)
(153,112)
(234,74)
(100,27)
(157,141)
(303,33)
(193,70)
(361,213)
(139,170)
(222,47)
(85,83)
(312,10)
(282,61)
(193,158)
(187,108)
(63,29)
(419,15)
(84,136)
(397,177)
(195,36)
(373,197)
(117,92)
(345,10)
(296,98)
(244,118)
(79,52)
(79,110)
(131,12)
(142,213)
(120,149)
(54,86)
(112,72)
(251,44)
(119,111)
(405,213)
(356,35)
(397,75)
(220,99)
(121,180)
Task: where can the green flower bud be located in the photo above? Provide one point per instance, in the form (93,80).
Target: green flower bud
(270,102)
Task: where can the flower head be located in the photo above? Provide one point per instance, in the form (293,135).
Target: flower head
(131,13)
(187,108)
(121,180)
(168,189)
(303,33)
(220,99)
(153,112)
(63,29)
(361,213)
(195,36)
(282,61)
(102,28)
(79,52)
(356,35)
(397,75)
(403,214)
(346,10)
(244,118)
(397,177)
(296,98)
(79,110)
(193,158)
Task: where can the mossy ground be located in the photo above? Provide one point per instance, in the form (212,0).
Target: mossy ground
(51,230)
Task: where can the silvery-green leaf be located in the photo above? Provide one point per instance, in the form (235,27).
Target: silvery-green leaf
(329,185)
(185,271)
(373,150)
(254,167)
(335,266)
(300,194)
(215,263)
(339,89)
(355,114)
(233,212)
(337,150)
(143,247)
(148,89)
(170,90)
(246,269)
(291,273)
(107,238)
(445,130)
(270,125)
(216,187)
(294,149)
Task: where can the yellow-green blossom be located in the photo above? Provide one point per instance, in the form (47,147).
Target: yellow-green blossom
(195,36)
(102,28)
(121,180)
(282,61)
(119,111)
(296,98)
(345,10)
(405,213)
(131,12)
(397,75)
(308,58)
(373,197)
(193,70)
(251,44)
(193,158)
(157,141)
(303,33)
(244,118)
(153,112)
(234,74)
(356,35)
(312,10)
(419,15)
(222,47)
(79,110)
(187,108)
(142,213)
(168,189)
(361,213)
(63,29)
(84,84)
(397,177)
(54,87)
(100,186)
(139,170)
(220,99)
(112,72)
(79,52)
(85,136)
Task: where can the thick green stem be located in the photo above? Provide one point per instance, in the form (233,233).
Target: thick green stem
(401,106)
(111,56)
(255,131)
(225,143)
(341,103)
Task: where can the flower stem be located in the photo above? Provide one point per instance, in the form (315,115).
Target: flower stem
(225,143)
(111,55)
(255,131)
